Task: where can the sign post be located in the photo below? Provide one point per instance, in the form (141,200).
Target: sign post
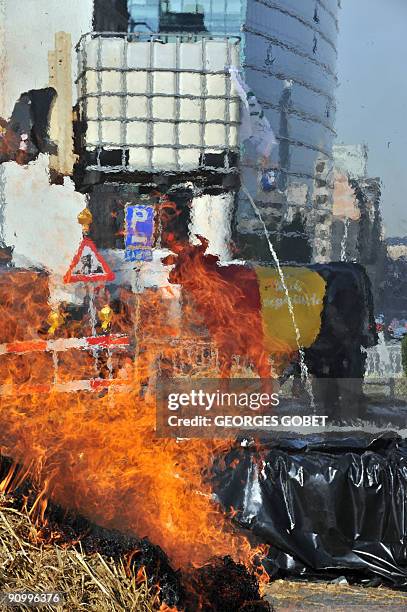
(88,266)
(138,249)
(139,232)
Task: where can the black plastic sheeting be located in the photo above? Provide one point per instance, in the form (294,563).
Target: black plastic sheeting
(323,504)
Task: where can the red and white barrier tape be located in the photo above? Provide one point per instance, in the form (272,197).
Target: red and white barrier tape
(92,385)
(64,344)
(112,341)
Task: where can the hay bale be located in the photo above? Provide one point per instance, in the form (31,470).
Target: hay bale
(87,581)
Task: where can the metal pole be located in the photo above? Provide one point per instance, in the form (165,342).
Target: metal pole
(92,315)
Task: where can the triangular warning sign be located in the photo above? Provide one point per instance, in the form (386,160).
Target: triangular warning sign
(88,265)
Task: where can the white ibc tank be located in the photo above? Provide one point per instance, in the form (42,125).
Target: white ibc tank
(166,104)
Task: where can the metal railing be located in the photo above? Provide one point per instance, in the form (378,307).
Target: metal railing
(384,362)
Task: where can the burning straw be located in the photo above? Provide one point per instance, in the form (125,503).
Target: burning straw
(98,454)
(86,581)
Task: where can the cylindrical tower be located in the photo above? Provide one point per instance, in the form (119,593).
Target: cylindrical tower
(289,60)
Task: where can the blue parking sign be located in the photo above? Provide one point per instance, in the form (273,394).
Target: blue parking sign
(139,232)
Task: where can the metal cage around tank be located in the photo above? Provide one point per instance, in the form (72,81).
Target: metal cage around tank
(158,103)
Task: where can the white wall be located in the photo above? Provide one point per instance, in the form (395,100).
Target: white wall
(211,217)
(39,218)
(27,32)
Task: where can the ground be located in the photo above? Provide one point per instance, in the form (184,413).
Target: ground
(289,596)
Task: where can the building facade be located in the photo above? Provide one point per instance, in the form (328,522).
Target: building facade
(220,17)
(357,229)
(288,55)
(110,15)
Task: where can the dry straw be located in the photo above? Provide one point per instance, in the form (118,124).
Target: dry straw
(88,582)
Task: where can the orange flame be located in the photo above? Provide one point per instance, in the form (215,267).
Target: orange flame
(165,608)
(98,453)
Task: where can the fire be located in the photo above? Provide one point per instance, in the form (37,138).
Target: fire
(165,608)
(228,301)
(102,459)
(255,563)
(9,143)
(97,453)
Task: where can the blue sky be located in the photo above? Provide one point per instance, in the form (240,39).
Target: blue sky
(372,96)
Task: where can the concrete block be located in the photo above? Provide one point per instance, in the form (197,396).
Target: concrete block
(46,234)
